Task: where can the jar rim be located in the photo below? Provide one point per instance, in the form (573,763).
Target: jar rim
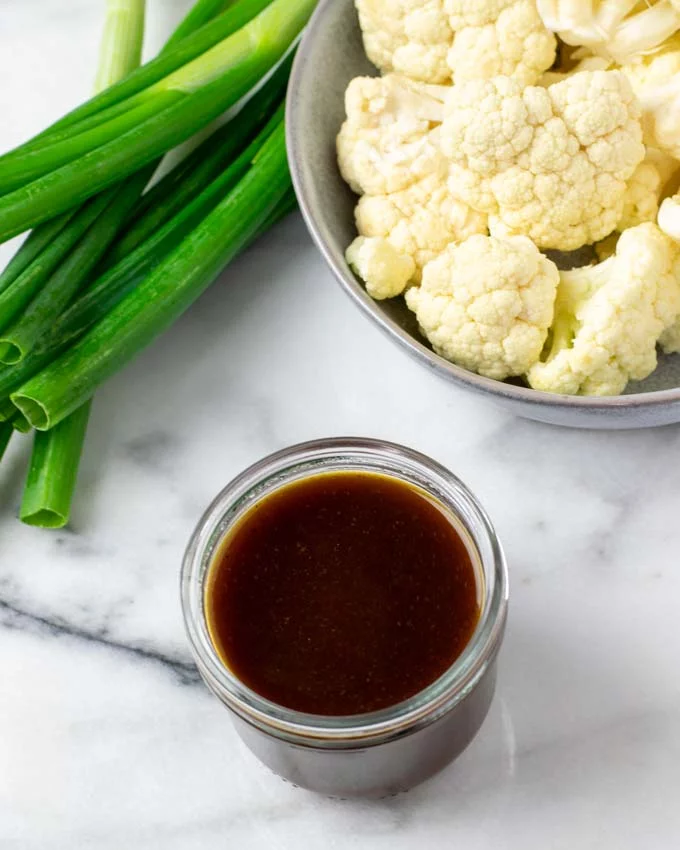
(315,458)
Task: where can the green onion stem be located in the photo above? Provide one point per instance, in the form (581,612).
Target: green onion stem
(38,240)
(54,393)
(6,432)
(212,84)
(20,423)
(121,48)
(122,274)
(53,471)
(15,298)
(56,454)
(179,186)
(200,14)
(176,54)
(72,274)
(7,409)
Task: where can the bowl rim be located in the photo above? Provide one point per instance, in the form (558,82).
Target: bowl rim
(352,287)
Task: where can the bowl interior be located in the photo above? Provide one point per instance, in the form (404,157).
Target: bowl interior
(330,56)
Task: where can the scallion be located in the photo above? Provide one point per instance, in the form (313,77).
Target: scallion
(54,393)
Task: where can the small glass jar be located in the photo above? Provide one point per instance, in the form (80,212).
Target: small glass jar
(386,751)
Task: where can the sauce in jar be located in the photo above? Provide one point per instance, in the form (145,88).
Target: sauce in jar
(342,593)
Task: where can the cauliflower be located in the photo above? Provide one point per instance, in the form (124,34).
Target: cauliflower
(549,163)
(411,37)
(503,37)
(609,317)
(436,41)
(487,304)
(419,222)
(641,200)
(654,80)
(669,222)
(669,217)
(387,142)
(388,149)
(385,271)
(616,29)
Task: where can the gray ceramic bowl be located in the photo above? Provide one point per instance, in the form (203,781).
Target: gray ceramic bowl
(329,56)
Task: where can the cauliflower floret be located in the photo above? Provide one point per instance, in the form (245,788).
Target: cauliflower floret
(385,271)
(411,37)
(499,38)
(487,304)
(654,79)
(420,221)
(549,163)
(388,140)
(641,200)
(436,41)
(609,317)
(669,222)
(616,29)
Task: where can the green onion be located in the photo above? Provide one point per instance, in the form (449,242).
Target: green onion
(171,194)
(56,454)
(7,410)
(53,471)
(58,290)
(93,305)
(38,241)
(210,84)
(20,423)
(54,393)
(23,288)
(179,51)
(6,432)
(43,236)
(121,47)
(202,13)
(124,273)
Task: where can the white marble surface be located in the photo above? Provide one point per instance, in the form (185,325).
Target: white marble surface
(108,741)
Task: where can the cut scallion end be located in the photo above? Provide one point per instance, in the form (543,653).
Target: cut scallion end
(53,471)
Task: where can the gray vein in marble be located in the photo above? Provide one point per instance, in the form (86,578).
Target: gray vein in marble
(13,616)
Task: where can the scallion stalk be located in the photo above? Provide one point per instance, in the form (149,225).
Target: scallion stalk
(52,474)
(178,51)
(6,432)
(17,340)
(19,293)
(199,193)
(51,395)
(20,423)
(121,48)
(210,85)
(56,454)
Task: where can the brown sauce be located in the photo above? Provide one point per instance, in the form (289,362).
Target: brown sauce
(341,594)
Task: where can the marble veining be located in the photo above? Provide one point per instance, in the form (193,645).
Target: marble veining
(107,737)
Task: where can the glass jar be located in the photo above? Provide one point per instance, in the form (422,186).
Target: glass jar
(386,751)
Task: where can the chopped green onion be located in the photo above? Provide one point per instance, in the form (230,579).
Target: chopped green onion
(54,393)
(53,471)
